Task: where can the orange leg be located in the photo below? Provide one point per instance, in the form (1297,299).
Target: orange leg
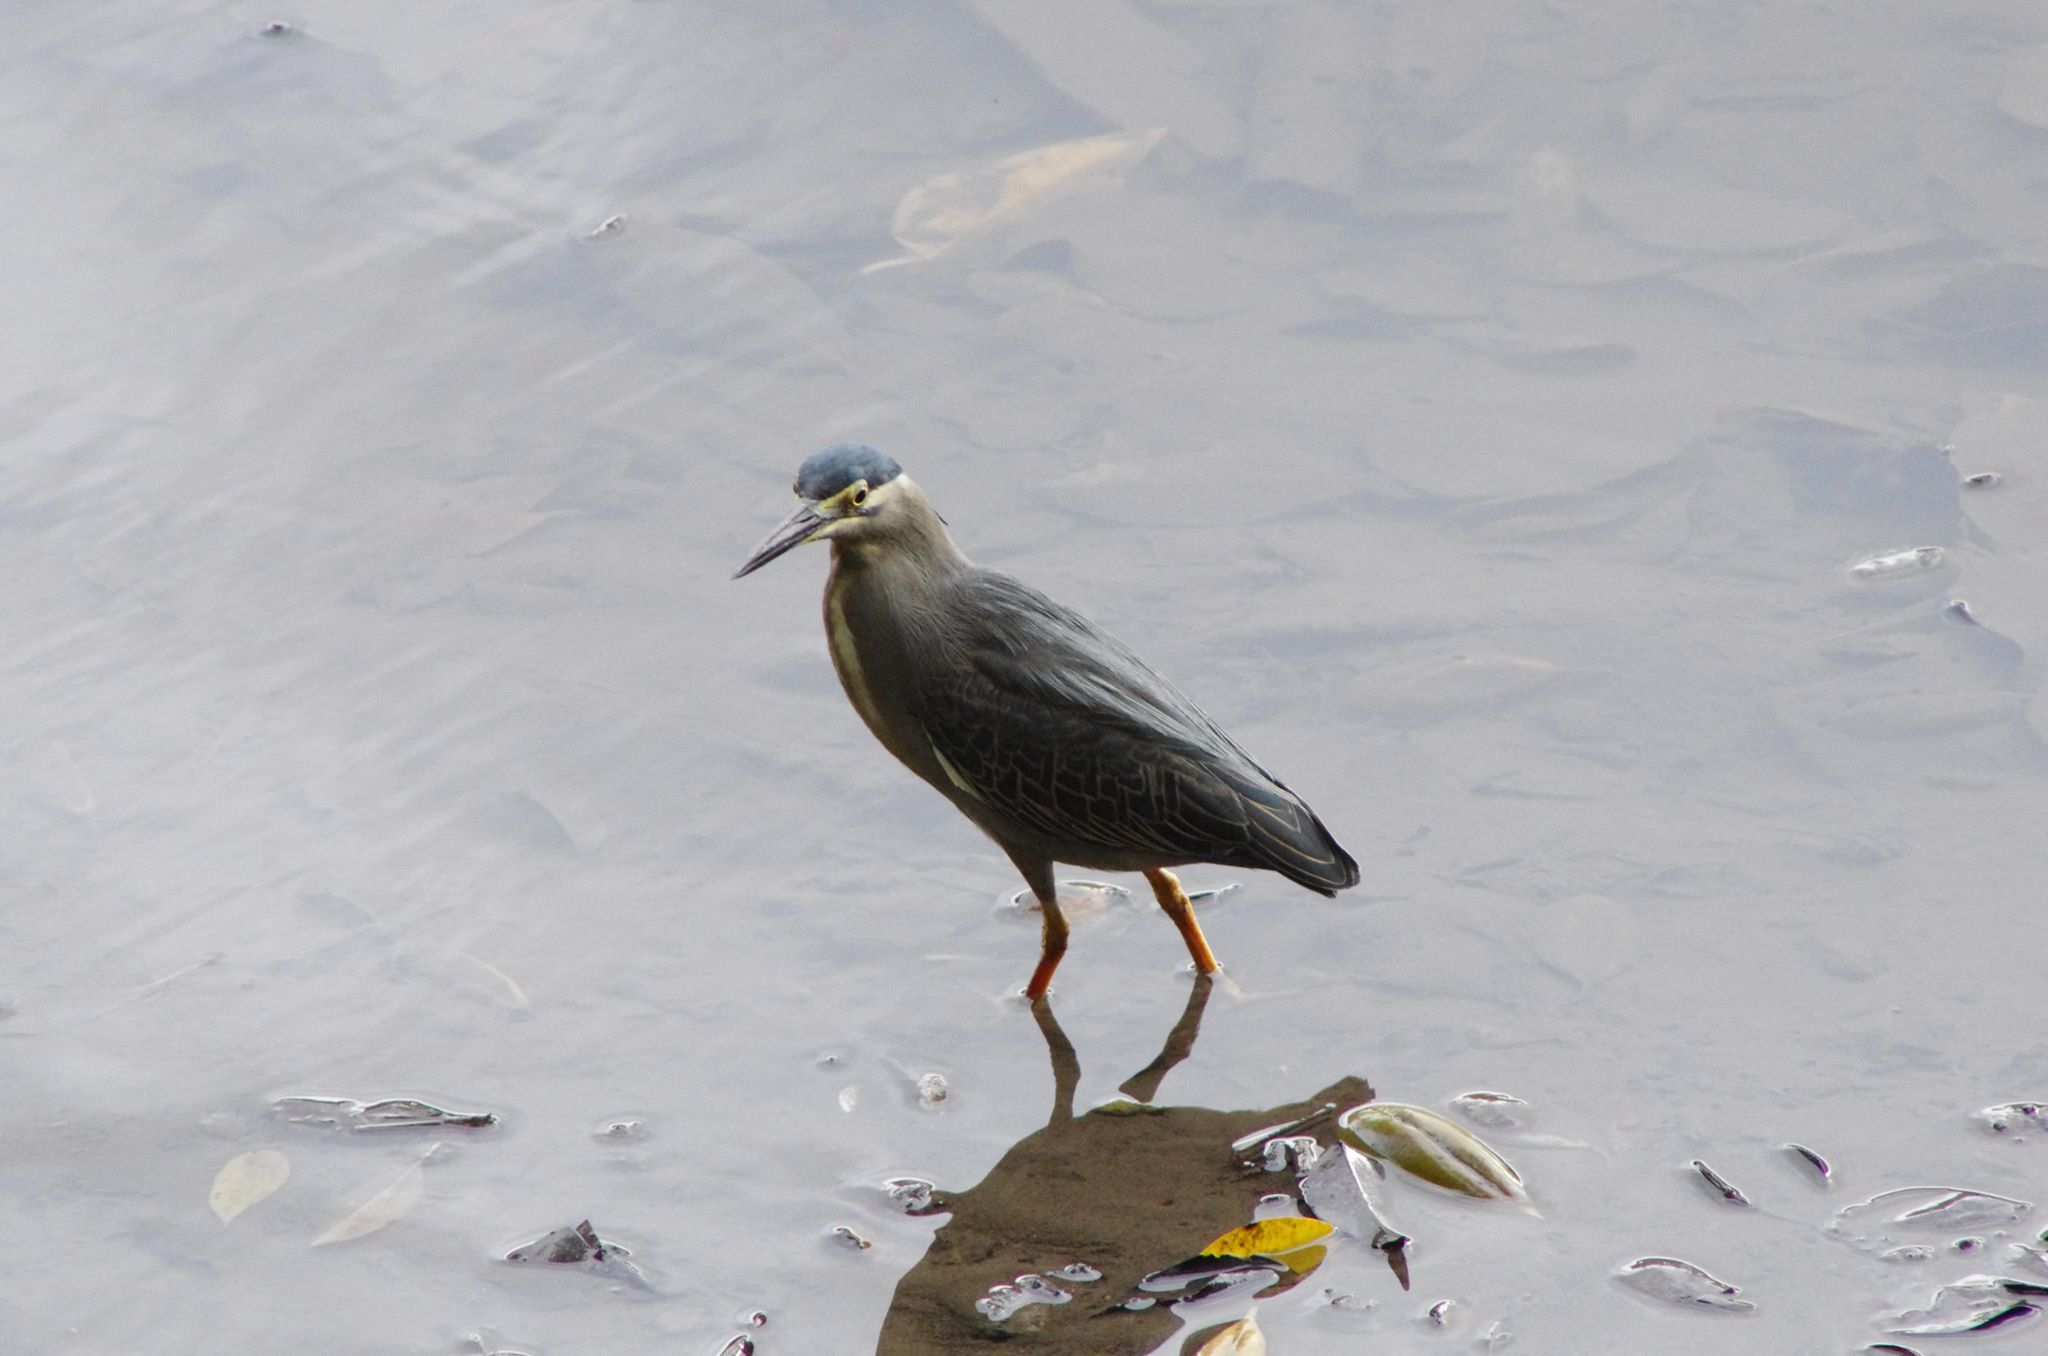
(1052,947)
(1166,889)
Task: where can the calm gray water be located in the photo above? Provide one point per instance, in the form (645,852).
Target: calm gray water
(1480,408)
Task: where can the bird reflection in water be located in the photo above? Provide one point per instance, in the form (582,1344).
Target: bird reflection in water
(1091,1205)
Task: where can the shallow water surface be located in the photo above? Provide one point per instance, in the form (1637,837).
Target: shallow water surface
(1483,410)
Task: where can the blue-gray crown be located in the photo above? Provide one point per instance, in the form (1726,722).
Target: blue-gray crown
(827,473)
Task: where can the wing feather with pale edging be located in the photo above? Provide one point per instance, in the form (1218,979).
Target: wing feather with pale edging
(1040,713)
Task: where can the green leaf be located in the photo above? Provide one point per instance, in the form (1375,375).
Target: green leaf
(1439,1151)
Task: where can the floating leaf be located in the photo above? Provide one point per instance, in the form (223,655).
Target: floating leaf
(391,1204)
(1269,1237)
(943,209)
(246,1179)
(579,1246)
(1819,1166)
(1676,1282)
(1899,562)
(1875,1222)
(1973,1304)
(1241,1338)
(576,1243)
(389,1113)
(1718,1184)
(1433,1148)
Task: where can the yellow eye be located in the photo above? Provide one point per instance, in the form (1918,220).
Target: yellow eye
(859,495)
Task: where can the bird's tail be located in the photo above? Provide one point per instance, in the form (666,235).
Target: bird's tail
(1288,838)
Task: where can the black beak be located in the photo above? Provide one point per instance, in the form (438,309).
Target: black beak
(792,532)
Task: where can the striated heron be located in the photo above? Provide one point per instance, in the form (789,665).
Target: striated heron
(1046,731)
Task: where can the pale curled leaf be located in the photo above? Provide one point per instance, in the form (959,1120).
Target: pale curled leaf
(1242,1338)
(1339,1189)
(943,209)
(393,1203)
(246,1179)
(1434,1149)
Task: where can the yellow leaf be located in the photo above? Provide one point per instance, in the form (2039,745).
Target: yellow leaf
(246,1179)
(1269,1237)
(394,1202)
(1304,1260)
(1241,1338)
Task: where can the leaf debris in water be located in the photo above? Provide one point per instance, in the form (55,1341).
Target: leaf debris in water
(1870,1224)
(947,207)
(1241,1338)
(1433,1148)
(391,1204)
(1813,1161)
(1722,1187)
(1335,1188)
(1496,1110)
(578,1245)
(1972,1304)
(1245,1144)
(246,1179)
(1899,562)
(1679,1282)
(389,1113)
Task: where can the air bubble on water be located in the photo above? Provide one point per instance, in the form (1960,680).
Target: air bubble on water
(1298,1151)
(911,1195)
(1003,1301)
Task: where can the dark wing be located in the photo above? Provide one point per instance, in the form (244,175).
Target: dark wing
(1039,712)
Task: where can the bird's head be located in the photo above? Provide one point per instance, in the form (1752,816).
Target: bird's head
(849,492)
